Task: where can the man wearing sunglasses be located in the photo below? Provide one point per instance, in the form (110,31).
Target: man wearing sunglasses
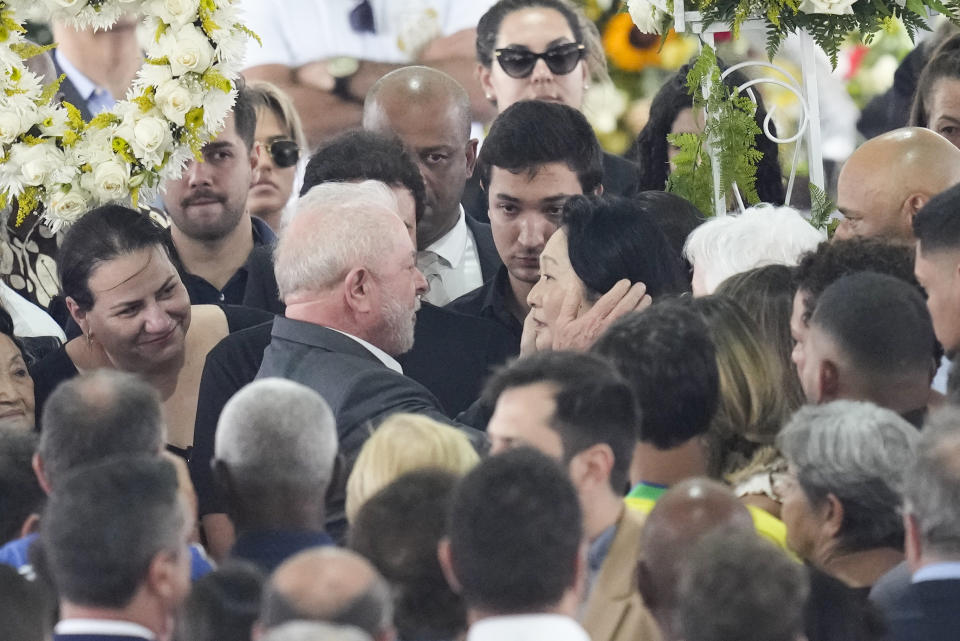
(430,113)
(214,236)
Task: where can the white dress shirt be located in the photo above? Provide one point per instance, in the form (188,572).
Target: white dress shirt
(458,266)
(381,355)
(103,627)
(527,627)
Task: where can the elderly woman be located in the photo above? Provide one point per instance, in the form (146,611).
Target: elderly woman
(842,492)
(601,241)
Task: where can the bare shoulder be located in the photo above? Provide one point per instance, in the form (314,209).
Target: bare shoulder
(208,326)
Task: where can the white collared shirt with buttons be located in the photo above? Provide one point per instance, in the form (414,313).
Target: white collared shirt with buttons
(459,262)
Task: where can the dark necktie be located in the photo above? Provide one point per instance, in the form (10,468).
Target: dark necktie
(361,18)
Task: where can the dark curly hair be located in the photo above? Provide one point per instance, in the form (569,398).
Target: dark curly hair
(649,151)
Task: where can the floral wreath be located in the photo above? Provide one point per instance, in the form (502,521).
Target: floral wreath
(51,159)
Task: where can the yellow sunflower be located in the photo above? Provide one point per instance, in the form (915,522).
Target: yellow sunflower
(630,50)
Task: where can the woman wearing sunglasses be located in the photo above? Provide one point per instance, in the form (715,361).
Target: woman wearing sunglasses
(281,140)
(544,50)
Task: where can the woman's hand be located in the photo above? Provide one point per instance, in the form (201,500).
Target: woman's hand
(577,332)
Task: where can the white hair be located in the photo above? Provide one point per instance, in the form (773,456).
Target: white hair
(337,227)
(761,235)
(276,430)
(315,631)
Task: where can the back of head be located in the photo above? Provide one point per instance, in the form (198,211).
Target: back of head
(830,261)
(223,605)
(685,513)
(533,133)
(277,438)
(89,564)
(364,155)
(593,403)
(403,443)
(329,585)
(676,216)
(667,357)
(881,325)
(337,227)
(739,586)
(752,406)
(944,63)
(422,88)
(315,631)
(413,509)
(611,238)
(96,415)
(515,528)
(20,493)
(27,612)
(857,452)
(100,235)
(931,489)
(937,224)
(762,235)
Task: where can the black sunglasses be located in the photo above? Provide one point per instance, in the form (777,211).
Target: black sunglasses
(284,152)
(560,59)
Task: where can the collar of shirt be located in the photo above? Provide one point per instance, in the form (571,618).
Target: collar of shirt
(105,627)
(937,572)
(381,355)
(262,234)
(452,245)
(495,300)
(599,547)
(93,93)
(517,627)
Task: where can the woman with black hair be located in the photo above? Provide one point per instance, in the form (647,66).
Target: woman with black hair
(602,240)
(672,112)
(936,103)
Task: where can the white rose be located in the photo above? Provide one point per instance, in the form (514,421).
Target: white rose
(11,125)
(150,138)
(37,162)
(645,15)
(174,101)
(188,50)
(69,206)
(176,12)
(830,7)
(110,180)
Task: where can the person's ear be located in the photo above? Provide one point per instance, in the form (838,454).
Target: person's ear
(78,315)
(599,190)
(485,76)
(357,289)
(163,576)
(832,515)
(471,152)
(445,556)
(592,466)
(38,469)
(912,205)
(828,381)
(31,525)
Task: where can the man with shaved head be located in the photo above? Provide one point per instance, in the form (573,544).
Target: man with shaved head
(889,178)
(430,113)
(331,585)
(686,513)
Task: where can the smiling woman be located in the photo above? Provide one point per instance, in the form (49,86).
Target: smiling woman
(124,292)
(16,386)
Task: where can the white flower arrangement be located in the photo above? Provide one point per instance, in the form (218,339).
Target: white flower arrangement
(178,102)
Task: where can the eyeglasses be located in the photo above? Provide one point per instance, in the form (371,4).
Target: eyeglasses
(560,59)
(284,152)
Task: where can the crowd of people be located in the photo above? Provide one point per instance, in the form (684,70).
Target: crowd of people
(362,377)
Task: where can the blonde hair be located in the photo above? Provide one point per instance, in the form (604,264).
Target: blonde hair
(404,443)
(266,95)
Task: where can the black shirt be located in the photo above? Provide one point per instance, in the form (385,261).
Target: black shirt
(490,301)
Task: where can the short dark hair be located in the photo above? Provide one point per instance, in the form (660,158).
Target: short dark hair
(594,404)
(834,259)
(245,115)
(101,235)
(944,62)
(649,151)
(532,133)
(414,509)
(97,415)
(610,238)
(880,322)
(676,216)
(89,562)
(667,356)
(515,529)
(489,25)
(737,585)
(365,155)
(20,492)
(937,224)
(223,604)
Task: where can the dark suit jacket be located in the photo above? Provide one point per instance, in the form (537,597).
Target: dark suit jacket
(69,93)
(621,177)
(928,611)
(95,637)
(487,251)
